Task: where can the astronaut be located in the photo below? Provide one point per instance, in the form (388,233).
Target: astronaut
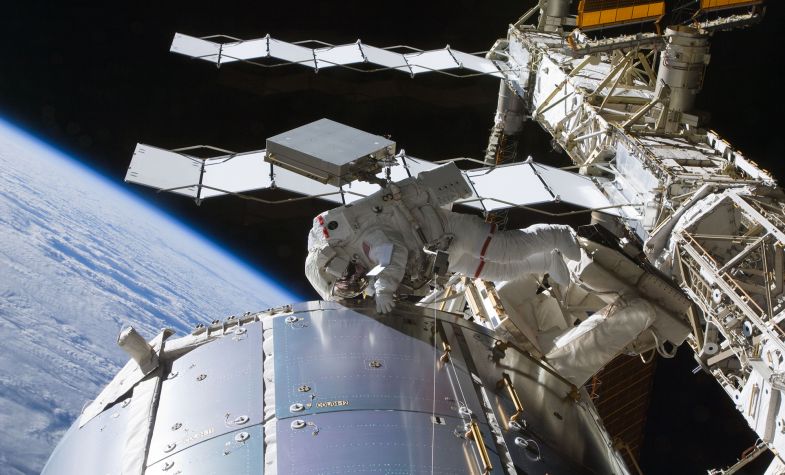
(382,244)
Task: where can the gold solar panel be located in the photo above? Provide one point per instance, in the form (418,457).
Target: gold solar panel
(601,13)
(707,5)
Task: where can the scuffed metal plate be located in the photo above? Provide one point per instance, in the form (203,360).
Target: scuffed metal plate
(213,390)
(239,453)
(76,451)
(378,442)
(336,360)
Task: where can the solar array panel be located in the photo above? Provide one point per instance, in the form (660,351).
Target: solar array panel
(510,186)
(709,5)
(602,13)
(415,62)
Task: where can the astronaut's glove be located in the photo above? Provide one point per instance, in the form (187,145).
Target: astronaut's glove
(384,302)
(558,270)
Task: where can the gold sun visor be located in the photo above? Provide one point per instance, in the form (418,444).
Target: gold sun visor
(711,5)
(601,13)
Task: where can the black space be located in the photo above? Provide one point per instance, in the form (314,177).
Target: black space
(93,78)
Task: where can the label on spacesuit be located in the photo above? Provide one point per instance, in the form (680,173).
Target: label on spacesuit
(375,271)
(382,254)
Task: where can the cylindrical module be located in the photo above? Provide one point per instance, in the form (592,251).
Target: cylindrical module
(682,66)
(328,387)
(510,110)
(553,13)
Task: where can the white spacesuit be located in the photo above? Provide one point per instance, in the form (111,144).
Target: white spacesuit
(384,239)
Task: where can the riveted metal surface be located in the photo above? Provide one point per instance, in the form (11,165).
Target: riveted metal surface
(351,361)
(218,389)
(238,453)
(564,432)
(394,442)
(76,451)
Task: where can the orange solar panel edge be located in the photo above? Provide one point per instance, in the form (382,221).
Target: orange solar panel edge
(615,16)
(707,5)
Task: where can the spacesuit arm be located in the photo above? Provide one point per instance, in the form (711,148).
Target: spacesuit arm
(478,238)
(386,249)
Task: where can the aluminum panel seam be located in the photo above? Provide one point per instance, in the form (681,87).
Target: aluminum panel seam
(385,368)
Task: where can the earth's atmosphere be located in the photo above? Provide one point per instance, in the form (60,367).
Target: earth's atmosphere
(79,259)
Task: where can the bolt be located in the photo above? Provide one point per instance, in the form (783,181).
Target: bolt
(521,442)
(169,464)
(201,377)
(296,407)
(176,426)
(304,388)
(169,447)
(465,411)
(375,364)
(241,419)
(291,319)
(297,424)
(242,437)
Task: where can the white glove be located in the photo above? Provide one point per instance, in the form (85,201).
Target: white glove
(558,271)
(384,302)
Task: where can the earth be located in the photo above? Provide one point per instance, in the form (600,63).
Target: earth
(80,258)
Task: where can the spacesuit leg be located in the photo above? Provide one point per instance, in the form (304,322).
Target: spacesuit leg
(476,237)
(551,263)
(582,351)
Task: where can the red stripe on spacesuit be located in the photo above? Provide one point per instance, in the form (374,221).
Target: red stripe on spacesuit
(479,269)
(321,223)
(484,250)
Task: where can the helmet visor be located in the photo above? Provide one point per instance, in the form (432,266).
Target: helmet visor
(353,282)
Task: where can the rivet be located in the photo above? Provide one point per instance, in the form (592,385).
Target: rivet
(169,447)
(242,437)
(201,377)
(296,407)
(169,464)
(241,419)
(297,424)
(304,388)
(375,364)
(176,425)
